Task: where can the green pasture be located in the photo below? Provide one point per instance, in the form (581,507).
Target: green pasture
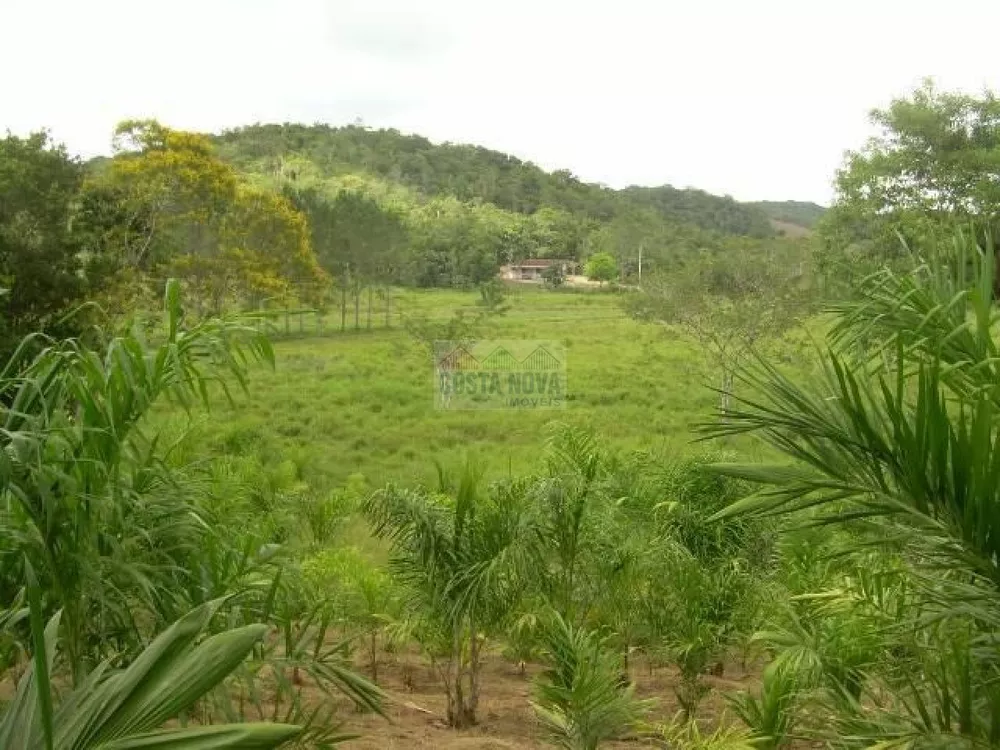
(345,406)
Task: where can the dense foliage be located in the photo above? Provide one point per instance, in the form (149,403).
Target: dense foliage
(601,267)
(114,539)
(893,453)
(800,213)
(930,172)
(475,173)
(41,267)
(178,210)
(460,220)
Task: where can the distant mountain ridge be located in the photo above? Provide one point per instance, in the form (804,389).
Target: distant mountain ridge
(477,173)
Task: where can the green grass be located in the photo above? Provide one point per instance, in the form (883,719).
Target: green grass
(362,403)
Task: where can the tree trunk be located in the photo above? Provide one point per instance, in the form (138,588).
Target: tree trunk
(451,712)
(369,308)
(460,719)
(475,647)
(462,702)
(453,680)
(726,391)
(343,308)
(357,307)
(456,718)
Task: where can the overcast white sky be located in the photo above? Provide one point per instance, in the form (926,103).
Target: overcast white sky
(755,98)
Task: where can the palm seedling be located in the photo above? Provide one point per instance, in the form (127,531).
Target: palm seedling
(770,715)
(581,699)
(568,502)
(710,577)
(463,554)
(701,604)
(522,639)
(302,655)
(363,596)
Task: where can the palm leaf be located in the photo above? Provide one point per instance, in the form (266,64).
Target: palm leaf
(124,709)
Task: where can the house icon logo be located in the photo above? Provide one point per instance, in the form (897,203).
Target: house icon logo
(459,358)
(541,359)
(500,359)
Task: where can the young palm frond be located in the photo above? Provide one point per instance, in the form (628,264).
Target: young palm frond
(568,502)
(942,311)
(581,699)
(770,715)
(681,733)
(869,449)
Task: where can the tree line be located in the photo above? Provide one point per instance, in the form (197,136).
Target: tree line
(437,210)
(270,216)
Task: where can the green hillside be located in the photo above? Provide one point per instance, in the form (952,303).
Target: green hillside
(473,172)
(801,213)
(391,207)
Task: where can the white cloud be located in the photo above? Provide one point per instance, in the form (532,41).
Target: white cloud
(757,99)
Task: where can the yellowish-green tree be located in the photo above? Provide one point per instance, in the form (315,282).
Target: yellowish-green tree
(167,205)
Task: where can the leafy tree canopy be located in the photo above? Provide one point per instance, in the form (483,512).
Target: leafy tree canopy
(40,262)
(933,167)
(166,205)
(601,267)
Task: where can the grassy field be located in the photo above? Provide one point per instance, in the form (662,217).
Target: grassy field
(359,406)
(347,412)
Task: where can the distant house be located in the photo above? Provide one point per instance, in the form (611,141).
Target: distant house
(532,269)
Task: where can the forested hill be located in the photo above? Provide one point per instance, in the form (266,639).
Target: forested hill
(801,213)
(473,172)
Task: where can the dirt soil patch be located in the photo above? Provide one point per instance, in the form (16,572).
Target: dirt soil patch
(506,719)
